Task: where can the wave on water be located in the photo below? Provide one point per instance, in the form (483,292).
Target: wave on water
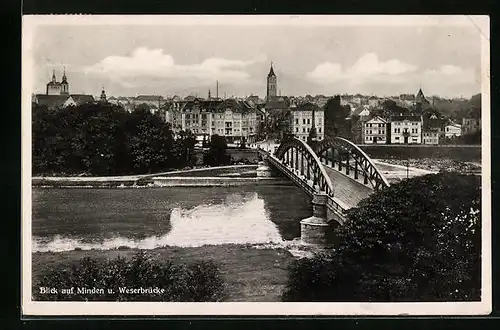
(246,223)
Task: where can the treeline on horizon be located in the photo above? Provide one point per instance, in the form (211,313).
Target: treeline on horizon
(104,139)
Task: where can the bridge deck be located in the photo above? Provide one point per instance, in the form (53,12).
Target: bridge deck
(348,190)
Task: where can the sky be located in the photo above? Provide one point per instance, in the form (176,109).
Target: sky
(129,60)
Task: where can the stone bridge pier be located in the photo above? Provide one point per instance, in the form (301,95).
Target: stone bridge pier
(319,228)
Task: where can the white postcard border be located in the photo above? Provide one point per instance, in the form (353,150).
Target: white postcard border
(35,308)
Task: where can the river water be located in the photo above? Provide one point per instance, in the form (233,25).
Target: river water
(65,219)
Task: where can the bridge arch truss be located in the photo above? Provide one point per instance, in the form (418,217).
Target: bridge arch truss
(342,154)
(301,159)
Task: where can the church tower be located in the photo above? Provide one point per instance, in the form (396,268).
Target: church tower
(103,96)
(272,84)
(64,84)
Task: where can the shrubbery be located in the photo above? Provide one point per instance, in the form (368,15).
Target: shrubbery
(418,240)
(196,282)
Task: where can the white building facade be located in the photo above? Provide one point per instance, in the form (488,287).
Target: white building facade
(406,130)
(452,130)
(430,136)
(301,121)
(375,131)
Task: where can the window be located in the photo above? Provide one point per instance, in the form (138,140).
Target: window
(296,121)
(319,130)
(303,121)
(303,129)
(296,129)
(396,138)
(308,121)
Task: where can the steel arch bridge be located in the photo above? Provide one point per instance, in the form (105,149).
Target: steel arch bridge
(334,167)
(351,159)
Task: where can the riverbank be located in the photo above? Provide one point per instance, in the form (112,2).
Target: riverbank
(201,177)
(251,273)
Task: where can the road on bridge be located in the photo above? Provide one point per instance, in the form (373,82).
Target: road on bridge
(348,190)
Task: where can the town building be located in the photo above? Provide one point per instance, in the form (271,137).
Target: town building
(301,121)
(430,136)
(57,95)
(472,122)
(375,131)
(406,129)
(149,100)
(236,120)
(453,130)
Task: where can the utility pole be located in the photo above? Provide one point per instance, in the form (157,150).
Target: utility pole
(407,166)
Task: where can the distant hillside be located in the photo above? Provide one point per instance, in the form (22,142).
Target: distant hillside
(457,108)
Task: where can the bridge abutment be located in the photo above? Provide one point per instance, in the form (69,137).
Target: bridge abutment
(316,230)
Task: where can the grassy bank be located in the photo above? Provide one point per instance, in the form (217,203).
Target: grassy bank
(250,274)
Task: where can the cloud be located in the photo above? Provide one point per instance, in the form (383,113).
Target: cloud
(154,63)
(367,68)
(452,75)
(372,74)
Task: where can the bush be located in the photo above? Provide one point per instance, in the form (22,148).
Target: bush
(196,282)
(217,153)
(418,240)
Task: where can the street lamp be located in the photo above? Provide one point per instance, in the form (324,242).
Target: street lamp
(406,135)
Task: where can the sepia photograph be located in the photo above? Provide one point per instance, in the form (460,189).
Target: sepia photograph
(256,165)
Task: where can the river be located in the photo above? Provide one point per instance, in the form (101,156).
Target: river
(83,218)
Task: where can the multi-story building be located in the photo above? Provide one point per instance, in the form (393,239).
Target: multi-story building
(452,130)
(406,129)
(150,100)
(472,122)
(375,131)
(430,136)
(301,121)
(236,120)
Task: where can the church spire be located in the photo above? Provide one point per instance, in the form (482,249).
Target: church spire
(271,71)
(53,76)
(103,95)
(64,78)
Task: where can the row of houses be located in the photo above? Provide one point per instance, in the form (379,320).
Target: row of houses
(410,129)
(239,120)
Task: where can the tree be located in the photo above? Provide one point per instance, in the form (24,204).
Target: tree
(336,123)
(183,150)
(100,139)
(216,155)
(150,142)
(419,239)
